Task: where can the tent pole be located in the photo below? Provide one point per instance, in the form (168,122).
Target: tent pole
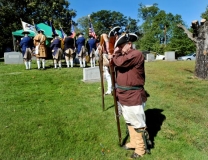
(14,44)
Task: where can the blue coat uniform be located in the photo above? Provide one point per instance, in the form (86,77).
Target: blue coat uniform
(91,44)
(55,45)
(80,42)
(25,43)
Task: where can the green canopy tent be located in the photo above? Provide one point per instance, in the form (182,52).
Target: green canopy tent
(47,31)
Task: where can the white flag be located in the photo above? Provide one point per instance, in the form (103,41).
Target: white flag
(28,27)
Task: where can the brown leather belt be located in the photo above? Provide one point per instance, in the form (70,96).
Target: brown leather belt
(126,88)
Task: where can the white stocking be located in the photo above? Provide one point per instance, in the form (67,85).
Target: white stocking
(71,62)
(26,65)
(43,63)
(80,62)
(38,63)
(29,65)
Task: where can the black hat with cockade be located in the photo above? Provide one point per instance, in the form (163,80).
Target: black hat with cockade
(124,38)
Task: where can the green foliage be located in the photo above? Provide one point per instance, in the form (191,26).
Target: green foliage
(104,20)
(107,19)
(160,32)
(52,114)
(147,12)
(39,11)
(205,14)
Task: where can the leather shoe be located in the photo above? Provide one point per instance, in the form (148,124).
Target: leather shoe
(135,156)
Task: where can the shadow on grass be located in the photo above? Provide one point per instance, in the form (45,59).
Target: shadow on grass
(190,71)
(154,120)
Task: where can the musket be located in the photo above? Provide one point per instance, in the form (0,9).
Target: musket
(112,73)
(113,77)
(100,61)
(101,71)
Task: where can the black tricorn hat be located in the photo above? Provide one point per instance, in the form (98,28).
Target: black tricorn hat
(124,38)
(114,31)
(25,32)
(40,30)
(69,33)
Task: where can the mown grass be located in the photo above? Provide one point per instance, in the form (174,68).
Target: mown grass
(53,114)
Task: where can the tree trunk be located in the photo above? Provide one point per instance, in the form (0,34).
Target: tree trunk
(200,38)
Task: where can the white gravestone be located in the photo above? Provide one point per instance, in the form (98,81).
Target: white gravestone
(150,57)
(13,58)
(91,74)
(170,56)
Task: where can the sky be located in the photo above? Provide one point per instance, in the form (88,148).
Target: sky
(188,9)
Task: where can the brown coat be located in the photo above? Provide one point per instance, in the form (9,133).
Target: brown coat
(130,72)
(40,39)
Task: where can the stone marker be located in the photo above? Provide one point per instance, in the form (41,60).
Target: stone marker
(91,74)
(13,58)
(150,57)
(170,56)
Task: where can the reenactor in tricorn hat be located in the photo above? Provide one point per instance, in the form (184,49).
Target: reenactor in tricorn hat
(69,49)
(130,80)
(56,50)
(26,45)
(91,46)
(40,48)
(81,50)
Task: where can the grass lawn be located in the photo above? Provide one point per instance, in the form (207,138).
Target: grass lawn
(53,115)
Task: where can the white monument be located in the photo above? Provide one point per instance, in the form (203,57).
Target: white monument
(150,57)
(13,58)
(91,74)
(170,56)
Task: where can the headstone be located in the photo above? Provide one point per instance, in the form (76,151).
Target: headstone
(91,74)
(150,57)
(170,56)
(13,58)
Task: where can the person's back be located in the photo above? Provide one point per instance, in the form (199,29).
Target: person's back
(40,48)
(80,42)
(40,38)
(26,45)
(69,49)
(26,42)
(68,43)
(92,44)
(56,43)
(56,50)
(81,52)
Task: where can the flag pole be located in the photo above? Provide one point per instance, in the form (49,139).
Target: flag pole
(34,26)
(22,24)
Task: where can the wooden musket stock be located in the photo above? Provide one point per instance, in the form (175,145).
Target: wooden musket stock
(101,71)
(113,76)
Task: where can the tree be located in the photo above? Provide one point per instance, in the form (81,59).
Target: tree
(28,10)
(204,15)
(200,38)
(133,27)
(160,32)
(148,12)
(178,41)
(104,20)
(7,25)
